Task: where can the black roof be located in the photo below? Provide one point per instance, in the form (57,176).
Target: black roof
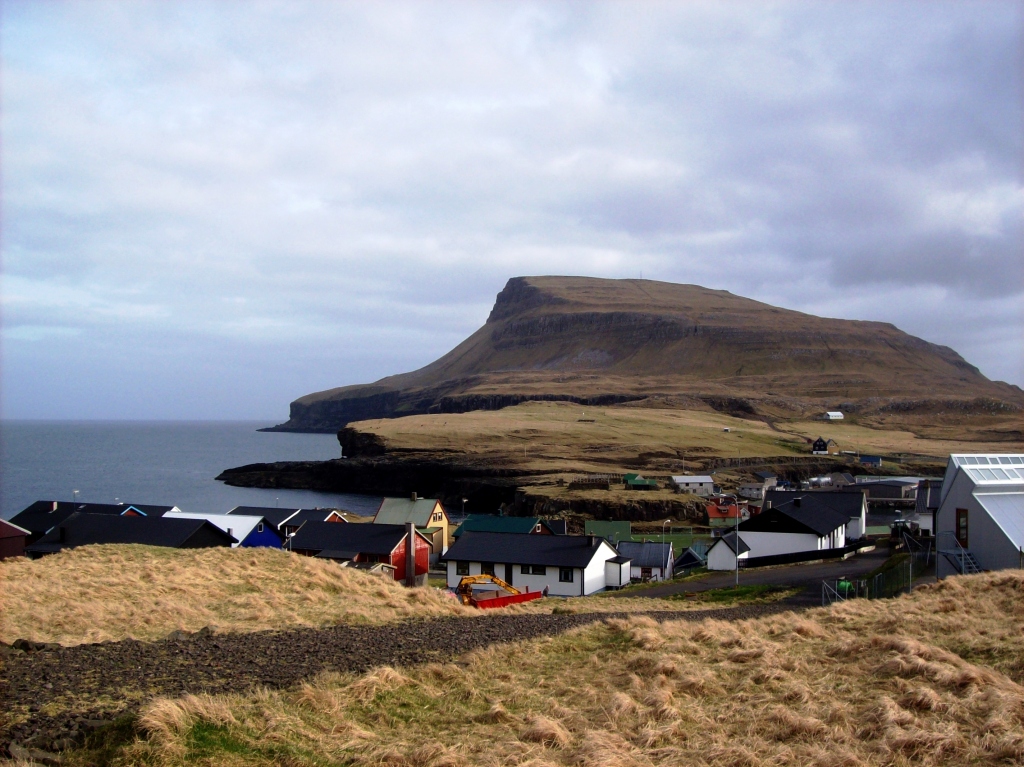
(689,558)
(800,515)
(308,515)
(348,538)
(647,553)
(550,550)
(848,501)
(729,539)
(764,475)
(82,529)
(41,515)
(558,526)
(272,514)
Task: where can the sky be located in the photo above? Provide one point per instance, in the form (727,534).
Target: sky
(208,209)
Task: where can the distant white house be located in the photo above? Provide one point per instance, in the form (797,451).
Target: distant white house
(698,484)
(722,554)
(833,415)
(752,490)
(979,524)
(649,560)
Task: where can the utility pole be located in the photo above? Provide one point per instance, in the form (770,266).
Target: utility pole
(737,542)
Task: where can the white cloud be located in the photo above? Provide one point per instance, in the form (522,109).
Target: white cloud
(353,183)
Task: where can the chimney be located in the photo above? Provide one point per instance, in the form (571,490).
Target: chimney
(53,506)
(796,502)
(413,497)
(592,540)
(410,552)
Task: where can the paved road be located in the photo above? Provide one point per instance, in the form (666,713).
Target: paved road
(806,577)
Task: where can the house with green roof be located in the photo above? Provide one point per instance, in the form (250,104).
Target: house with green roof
(491,523)
(427,514)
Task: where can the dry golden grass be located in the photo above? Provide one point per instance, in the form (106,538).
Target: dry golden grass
(98,593)
(930,679)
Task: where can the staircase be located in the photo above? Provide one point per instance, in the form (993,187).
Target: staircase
(963,561)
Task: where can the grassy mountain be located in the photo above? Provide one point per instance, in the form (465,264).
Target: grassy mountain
(606,341)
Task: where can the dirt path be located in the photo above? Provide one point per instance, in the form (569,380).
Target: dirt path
(90,684)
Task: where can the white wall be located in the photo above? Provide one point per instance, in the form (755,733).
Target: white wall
(616,574)
(773,544)
(720,556)
(986,540)
(584,581)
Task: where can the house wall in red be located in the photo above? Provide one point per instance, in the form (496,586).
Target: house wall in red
(422,557)
(12,547)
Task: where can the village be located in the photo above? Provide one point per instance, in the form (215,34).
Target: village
(970,520)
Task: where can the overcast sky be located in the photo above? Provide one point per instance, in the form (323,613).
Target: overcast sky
(211,208)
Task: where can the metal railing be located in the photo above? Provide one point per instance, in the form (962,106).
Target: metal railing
(959,553)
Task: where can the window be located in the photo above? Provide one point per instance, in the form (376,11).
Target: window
(533,570)
(259,528)
(961,527)
(462,568)
(565,574)
(487,568)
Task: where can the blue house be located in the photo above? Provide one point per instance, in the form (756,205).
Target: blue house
(250,531)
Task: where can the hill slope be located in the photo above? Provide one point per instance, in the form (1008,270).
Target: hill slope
(606,341)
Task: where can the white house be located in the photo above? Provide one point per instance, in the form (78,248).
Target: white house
(833,415)
(851,502)
(722,554)
(649,560)
(699,484)
(794,527)
(566,565)
(979,524)
(752,490)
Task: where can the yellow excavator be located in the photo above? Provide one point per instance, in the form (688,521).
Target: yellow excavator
(464,591)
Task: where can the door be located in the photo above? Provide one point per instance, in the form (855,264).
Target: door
(508,575)
(961,527)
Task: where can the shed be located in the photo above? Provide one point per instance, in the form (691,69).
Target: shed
(565,565)
(363,544)
(12,540)
(651,560)
(81,529)
(722,554)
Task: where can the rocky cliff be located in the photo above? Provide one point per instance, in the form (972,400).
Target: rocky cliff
(596,341)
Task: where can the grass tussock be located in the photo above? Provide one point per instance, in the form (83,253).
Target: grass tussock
(98,593)
(897,682)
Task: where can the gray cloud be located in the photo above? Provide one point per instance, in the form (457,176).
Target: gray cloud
(272,198)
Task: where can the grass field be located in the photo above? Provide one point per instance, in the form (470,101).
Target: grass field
(929,679)
(98,593)
(537,435)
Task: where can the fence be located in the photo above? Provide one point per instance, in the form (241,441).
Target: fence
(895,577)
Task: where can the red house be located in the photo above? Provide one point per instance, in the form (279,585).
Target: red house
(12,540)
(366,543)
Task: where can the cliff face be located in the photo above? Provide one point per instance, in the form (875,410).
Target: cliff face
(606,341)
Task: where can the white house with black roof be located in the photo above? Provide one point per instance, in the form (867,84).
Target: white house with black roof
(851,501)
(979,524)
(722,554)
(565,565)
(649,560)
(799,525)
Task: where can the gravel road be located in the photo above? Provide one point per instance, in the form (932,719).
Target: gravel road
(93,684)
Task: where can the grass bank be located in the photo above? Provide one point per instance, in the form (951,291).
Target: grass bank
(99,593)
(928,679)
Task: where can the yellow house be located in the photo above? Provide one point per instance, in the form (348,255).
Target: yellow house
(427,514)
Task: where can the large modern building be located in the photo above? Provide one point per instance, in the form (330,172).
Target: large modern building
(979,524)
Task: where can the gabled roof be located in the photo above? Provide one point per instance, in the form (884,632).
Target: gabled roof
(647,553)
(548,550)
(729,539)
(991,469)
(929,496)
(801,515)
(491,523)
(352,538)
(309,515)
(693,479)
(272,514)
(238,526)
(398,511)
(8,530)
(690,558)
(86,529)
(43,515)
(848,501)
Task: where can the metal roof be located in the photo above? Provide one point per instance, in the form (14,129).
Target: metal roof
(849,502)
(398,511)
(335,536)
(491,523)
(273,515)
(549,550)
(693,479)
(237,525)
(647,553)
(85,529)
(995,469)
(729,539)
(1007,509)
(805,514)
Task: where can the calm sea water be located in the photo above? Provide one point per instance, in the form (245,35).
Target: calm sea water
(165,462)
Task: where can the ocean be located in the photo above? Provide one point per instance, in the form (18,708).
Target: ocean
(159,462)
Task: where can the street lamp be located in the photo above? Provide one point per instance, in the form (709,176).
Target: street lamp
(464,507)
(737,543)
(666,522)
